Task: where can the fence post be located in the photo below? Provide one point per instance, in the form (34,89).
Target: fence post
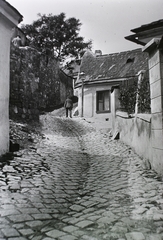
(140,78)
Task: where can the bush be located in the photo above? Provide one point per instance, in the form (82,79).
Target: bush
(144,102)
(128,93)
(127,96)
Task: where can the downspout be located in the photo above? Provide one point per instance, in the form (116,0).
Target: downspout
(82,97)
(82,107)
(140,78)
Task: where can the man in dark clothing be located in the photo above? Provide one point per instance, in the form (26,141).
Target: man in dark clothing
(68,105)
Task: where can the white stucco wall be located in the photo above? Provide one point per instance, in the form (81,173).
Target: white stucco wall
(9,18)
(89,105)
(4,85)
(136,132)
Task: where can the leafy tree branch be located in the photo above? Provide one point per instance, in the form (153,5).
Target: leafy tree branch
(57,36)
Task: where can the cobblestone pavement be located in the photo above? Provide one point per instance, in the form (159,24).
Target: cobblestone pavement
(77,183)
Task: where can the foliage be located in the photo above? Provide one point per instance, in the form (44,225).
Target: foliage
(129,91)
(56,36)
(144,94)
(34,86)
(128,96)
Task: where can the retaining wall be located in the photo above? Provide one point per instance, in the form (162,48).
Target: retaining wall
(36,84)
(136,132)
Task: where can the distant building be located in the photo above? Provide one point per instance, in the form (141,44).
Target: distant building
(99,74)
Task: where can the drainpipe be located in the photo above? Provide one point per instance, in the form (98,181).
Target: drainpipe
(82,97)
(140,79)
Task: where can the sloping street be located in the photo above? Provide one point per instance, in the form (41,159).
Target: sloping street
(76,183)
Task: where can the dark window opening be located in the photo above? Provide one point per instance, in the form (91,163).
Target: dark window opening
(103,101)
(129,60)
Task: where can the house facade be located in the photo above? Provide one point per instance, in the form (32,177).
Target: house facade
(99,75)
(150,36)
(9,18)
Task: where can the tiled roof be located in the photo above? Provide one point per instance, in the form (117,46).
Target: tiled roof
(143,34)
(148,26)
(113,66)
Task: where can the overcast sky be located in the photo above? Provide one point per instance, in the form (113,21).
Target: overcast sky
(105,22)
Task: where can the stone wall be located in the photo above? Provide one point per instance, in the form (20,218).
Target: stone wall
(5,35)
(144,132)
(154,48)
(35,83)
(136,132)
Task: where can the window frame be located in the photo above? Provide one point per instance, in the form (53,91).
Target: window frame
(97,101)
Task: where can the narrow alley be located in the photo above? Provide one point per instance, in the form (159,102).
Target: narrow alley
(76,183)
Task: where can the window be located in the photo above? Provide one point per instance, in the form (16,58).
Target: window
(103,101)
(130,60)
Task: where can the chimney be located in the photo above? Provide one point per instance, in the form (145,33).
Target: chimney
(98,53)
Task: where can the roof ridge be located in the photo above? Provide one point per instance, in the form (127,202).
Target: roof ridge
(117,53)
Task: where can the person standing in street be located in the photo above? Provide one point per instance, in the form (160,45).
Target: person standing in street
(68,106)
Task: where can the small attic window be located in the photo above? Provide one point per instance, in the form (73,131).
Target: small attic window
(130,60)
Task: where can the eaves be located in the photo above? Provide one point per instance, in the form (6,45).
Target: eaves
(102,81)
(10,13)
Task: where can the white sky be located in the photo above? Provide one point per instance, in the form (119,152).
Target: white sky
(106,22)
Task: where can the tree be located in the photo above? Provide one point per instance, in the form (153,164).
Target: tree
(56,36)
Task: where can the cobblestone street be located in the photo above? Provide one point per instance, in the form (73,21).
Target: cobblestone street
(77,183)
